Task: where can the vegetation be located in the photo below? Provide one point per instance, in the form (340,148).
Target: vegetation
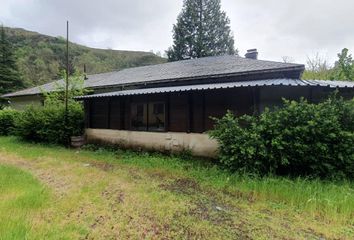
(9,76)
(202,29)
(3,103)
(51,123)
(41,59)
(140,195)
(21,196)
(299,139)
(7,121)
(318,68)
(344,67)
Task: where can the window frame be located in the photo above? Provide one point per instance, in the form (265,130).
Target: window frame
(147,104)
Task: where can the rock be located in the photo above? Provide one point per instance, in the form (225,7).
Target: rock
(219,208)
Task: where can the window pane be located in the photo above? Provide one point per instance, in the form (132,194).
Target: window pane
(156,116)
(139,116)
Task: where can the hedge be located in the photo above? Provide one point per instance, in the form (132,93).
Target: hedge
(47,124)
(7,121)
(299,139)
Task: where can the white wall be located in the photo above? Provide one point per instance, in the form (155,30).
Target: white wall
(199,144)
(19,103)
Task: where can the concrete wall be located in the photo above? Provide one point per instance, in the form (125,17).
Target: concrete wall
(19,103)
(199,144)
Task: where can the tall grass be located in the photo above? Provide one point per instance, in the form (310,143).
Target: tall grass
(20,195)
(326,200)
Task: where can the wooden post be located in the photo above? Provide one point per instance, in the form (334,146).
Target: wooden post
(147,112)
(109,114)
(203,112)
(67,83)
(311,95)
(167,113)
(256,98)
(122,102)
(190,113)
(87,113)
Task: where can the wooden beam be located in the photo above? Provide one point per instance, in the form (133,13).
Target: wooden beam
(203,112)
(167,112)
(311,95)
(87,113)
(190,113)
(109,114)
(258,90)
(256,99)
(122,101)
(147,112)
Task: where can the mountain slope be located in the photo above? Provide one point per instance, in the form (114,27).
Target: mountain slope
(41,58)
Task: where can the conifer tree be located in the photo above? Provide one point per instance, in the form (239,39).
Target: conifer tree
(202,29)
(9,76)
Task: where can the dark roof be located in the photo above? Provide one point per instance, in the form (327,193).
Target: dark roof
(268,82)
(201,68)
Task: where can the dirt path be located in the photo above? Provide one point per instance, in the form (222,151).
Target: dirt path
(58,183)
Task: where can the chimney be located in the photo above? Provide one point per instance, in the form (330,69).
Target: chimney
(252,54)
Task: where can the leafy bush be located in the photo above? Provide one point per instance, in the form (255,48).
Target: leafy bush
(300,139)
(49,123)
(7,121)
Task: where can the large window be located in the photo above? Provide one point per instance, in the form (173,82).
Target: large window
(148,116)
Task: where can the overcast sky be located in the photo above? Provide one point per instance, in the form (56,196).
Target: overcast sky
(276,27)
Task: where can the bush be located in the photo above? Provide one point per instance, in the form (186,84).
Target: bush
(300,139)
(47,124)
(7,121)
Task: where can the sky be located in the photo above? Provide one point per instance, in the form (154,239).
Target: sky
(277,28)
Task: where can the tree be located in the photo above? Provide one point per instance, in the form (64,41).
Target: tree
(317,67)
(344,67)
(202,29)
(10,79)
(288,59)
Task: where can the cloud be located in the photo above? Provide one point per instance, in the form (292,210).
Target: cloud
(277,28)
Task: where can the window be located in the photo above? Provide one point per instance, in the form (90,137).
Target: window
(148,116)
(139,117)
(156,117)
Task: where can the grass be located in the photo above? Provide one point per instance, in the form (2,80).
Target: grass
(122,194)
(21,195)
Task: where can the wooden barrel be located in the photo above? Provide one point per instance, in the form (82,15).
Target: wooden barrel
(77,141)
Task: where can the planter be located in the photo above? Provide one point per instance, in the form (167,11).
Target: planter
(77,141)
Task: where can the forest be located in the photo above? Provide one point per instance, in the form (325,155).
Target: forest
(41,58)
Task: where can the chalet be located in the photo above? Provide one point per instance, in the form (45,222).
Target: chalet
(167,107)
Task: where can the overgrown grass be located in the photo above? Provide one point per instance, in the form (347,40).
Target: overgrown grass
(331,201)
(327,207)
(20,196)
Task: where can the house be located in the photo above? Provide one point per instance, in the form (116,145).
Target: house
(167,107)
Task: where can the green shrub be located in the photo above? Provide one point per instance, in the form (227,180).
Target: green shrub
(47,124)
(299,139)
(7,121)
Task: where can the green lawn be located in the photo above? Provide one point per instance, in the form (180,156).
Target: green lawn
(101,194)
(21,196)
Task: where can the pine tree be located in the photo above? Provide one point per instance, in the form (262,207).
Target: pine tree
(9,76)
(202,29)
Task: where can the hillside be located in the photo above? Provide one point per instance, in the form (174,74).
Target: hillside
(41,58)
